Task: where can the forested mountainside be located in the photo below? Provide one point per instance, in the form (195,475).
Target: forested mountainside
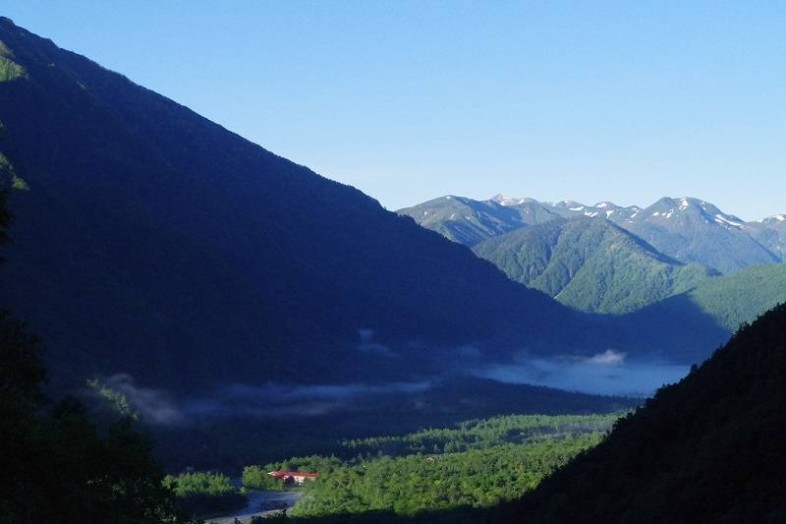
(151,241)
(707,315)
(707,449)
(590,264)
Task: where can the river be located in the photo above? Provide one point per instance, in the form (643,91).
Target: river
(260,503)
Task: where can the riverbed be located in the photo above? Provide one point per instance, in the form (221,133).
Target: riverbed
(260,503)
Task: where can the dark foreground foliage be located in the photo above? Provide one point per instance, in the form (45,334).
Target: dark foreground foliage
(57,466)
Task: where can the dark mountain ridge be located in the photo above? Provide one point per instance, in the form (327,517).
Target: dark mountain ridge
(708,449)
(151,241)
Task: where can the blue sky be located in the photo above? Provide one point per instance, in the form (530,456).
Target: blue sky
(411,100)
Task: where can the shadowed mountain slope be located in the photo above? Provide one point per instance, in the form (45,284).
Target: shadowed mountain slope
(708,449)
(151,241)
(704,317)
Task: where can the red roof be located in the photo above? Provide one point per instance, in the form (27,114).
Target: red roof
(293,474)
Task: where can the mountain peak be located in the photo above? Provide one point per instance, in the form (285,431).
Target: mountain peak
(508,201)
(775,219)
(668,207)
(570,205)
(665,202)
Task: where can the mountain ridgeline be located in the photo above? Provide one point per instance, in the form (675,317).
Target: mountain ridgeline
(688,230)
(470,222)
(151,241)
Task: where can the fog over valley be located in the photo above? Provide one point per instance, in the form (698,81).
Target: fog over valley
(608,373)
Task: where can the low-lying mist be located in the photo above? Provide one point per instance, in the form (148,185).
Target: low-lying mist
(269,400)
(608,373)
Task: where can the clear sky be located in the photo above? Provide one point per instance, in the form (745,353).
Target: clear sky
(410,100)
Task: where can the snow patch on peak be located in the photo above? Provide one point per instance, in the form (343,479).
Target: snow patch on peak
(723,221)
(569,204)
(664,213)
(507,201)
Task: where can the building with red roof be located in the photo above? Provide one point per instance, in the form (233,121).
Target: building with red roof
(293,477)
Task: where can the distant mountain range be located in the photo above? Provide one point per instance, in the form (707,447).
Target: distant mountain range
(686,229)
(606,258)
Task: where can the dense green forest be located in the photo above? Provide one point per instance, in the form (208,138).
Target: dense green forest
(474,464)
(741,297)
(200,492)
(259,441)
(481,434)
